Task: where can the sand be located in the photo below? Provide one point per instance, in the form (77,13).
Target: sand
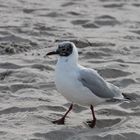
(107,34)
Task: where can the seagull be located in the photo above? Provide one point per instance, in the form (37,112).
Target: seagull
(78,84)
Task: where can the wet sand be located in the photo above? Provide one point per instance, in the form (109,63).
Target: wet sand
(107,34)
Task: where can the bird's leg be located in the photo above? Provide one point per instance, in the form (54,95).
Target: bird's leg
(62,120)
(93,122)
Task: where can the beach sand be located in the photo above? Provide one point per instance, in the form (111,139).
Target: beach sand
(107,34)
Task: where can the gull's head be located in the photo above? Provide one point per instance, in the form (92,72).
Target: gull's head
(66,50)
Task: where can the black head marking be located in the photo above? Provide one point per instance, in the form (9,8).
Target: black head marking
(65,49)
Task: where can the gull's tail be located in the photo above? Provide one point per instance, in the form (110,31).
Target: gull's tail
(128,97)
(124,97)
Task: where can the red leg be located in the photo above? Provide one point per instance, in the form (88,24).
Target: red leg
(93,122)
(62,120)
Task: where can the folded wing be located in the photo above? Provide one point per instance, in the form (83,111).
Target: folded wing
(93,81)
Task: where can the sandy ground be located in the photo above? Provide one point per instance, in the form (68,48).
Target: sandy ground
(107,33)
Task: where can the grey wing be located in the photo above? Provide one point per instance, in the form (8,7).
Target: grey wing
(93,81)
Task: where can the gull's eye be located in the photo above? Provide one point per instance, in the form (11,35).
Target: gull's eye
(63,49)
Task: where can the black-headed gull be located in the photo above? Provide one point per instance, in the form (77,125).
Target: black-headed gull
(79,84)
